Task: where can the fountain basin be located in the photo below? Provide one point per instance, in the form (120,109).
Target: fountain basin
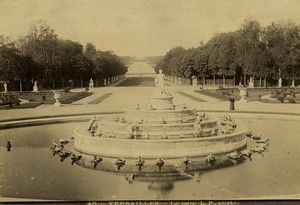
(153,149)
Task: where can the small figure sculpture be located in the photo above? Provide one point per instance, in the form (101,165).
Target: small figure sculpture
(251,83)
(94,129)
(75,158)
(91,83)
(120,162)
(160,163)
(280,82)
(5,87)
(211,159)
(234,155)
(91,122)
(35,87)
(187,162)
(96,161)
(140,163)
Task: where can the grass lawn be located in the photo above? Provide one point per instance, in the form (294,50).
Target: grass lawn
(254,94)
(47,96)
(100,99)
(221,94)
(138,81)
(191,97)
(38,98)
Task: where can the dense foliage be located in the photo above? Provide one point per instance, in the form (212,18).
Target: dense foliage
(53,62)
(260,52)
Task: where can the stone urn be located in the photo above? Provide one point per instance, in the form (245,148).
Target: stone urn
(243,94)
(56,98)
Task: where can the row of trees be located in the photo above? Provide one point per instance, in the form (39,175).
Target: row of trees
(52,61)
(270,52)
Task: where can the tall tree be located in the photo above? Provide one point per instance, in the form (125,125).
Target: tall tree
(41,44)
(247,42)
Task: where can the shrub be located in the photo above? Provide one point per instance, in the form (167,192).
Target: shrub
(67,89)
(280,98)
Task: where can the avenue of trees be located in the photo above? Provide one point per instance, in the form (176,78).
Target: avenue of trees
(263,53)
(53,62)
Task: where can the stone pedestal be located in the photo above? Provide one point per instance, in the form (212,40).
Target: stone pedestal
(251,84)
(104,82)
(194,81)
(35,89)
(56,98)
(243,94)
(293,83)
(161,101)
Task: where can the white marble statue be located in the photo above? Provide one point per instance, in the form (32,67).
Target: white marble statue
(35,87)
(280,82)
(160,82)
(251,83)
(5,87)
(91,83)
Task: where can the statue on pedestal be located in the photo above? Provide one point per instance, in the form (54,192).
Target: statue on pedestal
(280,82)
(91,83)
(35,87)
(160,82)
(5,87)
(251,84)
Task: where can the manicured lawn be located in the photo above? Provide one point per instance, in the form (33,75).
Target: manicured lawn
(254,94)
(221,94)
(191,97)
(43,97)
(138,81)
(47,96)
(100,99)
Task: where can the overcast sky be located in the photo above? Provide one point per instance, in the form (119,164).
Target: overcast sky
(141,27)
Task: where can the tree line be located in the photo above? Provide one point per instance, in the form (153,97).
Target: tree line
(270,52)
(53,62)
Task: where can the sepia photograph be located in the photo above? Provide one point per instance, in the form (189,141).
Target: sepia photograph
(150,102)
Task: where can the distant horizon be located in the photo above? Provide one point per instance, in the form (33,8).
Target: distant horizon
(141,28)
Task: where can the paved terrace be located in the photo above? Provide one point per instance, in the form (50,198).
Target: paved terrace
(115,98)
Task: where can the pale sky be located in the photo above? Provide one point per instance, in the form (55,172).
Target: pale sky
(141,27)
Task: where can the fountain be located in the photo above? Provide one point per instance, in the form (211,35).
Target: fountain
(159,137)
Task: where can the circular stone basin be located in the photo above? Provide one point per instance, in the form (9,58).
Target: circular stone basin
(30,170)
